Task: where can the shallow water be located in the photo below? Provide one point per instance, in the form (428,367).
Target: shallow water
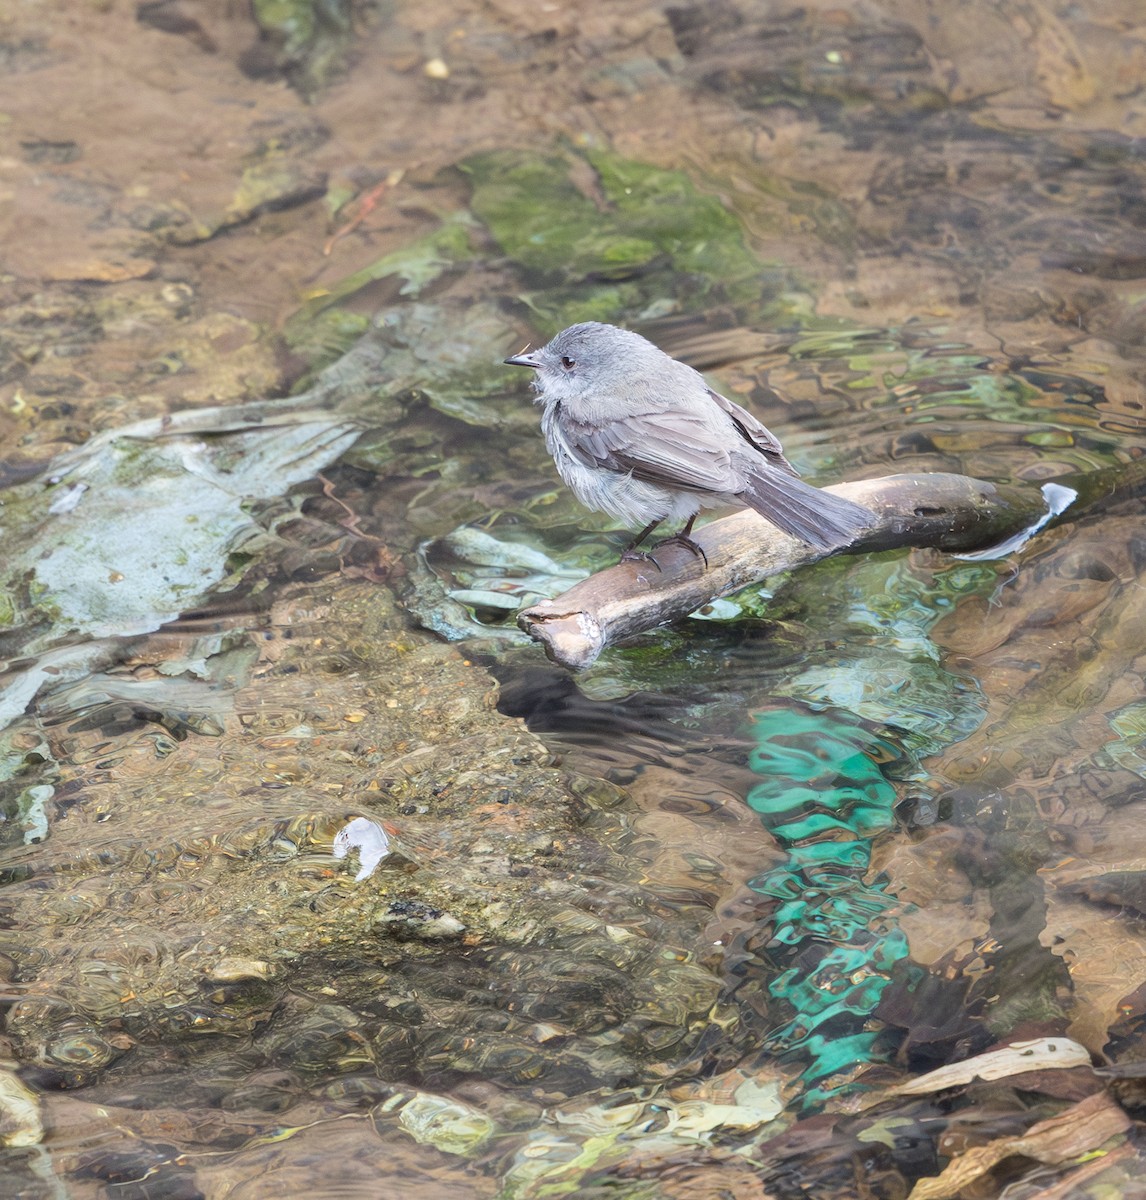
(686,924)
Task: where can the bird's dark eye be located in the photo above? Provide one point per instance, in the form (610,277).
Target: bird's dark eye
(567,363)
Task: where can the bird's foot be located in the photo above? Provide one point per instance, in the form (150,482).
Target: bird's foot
(629,554)
(682,539)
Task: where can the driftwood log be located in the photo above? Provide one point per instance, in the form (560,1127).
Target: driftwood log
(949,512)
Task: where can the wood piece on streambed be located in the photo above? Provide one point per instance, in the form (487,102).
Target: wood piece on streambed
(950,512)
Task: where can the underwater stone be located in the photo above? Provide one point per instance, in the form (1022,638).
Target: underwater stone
(235,970)
(416,919)
(448,1125)
(20,1122)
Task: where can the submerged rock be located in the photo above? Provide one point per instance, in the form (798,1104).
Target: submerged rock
(604,237)
(452,1127)
(215,903)
(20,1120)
(303,40)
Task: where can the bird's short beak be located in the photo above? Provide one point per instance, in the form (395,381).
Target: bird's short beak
(522,360)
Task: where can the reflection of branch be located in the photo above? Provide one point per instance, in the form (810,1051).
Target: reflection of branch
(950,512)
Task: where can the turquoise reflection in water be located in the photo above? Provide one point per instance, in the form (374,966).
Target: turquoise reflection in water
(880,696)
(824,797)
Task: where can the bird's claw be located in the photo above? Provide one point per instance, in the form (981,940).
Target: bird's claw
(684,540)
(638,556)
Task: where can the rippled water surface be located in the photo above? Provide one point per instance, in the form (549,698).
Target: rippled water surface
(316,877)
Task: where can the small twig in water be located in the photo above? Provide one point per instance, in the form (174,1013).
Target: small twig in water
(366,204)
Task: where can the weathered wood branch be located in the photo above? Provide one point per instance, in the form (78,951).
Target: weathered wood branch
(950,512)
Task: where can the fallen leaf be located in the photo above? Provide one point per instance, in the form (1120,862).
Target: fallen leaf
(1015,1059)
(1077,1131)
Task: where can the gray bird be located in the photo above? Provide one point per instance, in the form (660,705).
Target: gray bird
(642,437)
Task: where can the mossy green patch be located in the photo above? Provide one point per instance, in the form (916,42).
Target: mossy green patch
(606,236)
(550,227)
(322,337)
(420,263)
(308,38)
(696,231)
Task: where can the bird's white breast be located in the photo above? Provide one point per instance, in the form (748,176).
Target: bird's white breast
(632,501)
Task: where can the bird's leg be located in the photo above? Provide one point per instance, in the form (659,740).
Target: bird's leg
(684,539)
(632,554)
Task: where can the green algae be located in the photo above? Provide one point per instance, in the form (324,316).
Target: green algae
(306,40)
(693,228)
(273,184)
(545,223)
(1128,749)
(418,264)
(605,237)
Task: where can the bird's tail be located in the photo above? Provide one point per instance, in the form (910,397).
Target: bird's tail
(819,518)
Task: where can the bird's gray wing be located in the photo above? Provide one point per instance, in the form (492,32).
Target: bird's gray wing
(757,435)
(676,449)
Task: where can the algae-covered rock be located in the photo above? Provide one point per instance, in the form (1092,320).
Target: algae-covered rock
(141,522)
(319,330)
(544,222)
(305,40)
(137,525)
(272,185)
(607,237)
